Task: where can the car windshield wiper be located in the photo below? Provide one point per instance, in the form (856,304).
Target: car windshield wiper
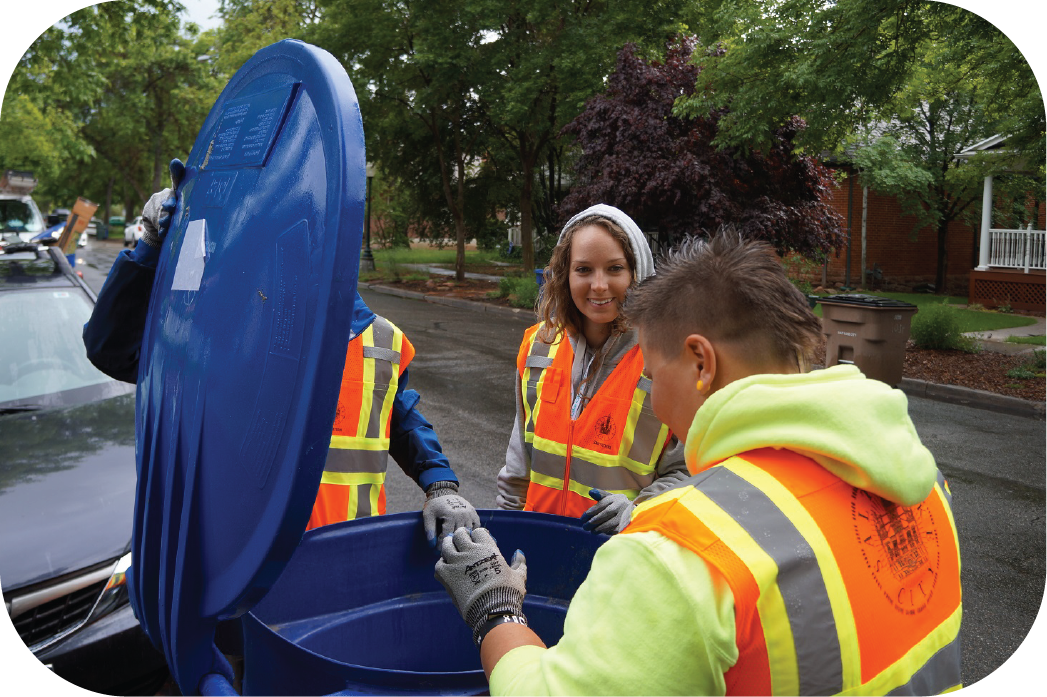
(16,408)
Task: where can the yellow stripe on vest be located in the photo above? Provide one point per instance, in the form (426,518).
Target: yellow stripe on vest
(352,478)
(785,677)
(830,570)
(359,443)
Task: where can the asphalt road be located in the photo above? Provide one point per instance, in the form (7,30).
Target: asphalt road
(994,464)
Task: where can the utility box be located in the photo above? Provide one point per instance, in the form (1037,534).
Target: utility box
(869,332)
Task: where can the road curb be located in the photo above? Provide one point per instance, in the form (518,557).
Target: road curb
(968,397)
(952,394)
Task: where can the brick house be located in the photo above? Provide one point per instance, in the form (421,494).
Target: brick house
(894,259)
(897,260)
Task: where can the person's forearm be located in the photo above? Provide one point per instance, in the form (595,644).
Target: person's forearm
(503,639)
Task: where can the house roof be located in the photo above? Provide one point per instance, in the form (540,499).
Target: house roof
(994,143)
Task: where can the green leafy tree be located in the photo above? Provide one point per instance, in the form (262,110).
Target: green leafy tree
(249,25)
(910,152)
(542,60)
(838,64)
(110,94)
(415,68)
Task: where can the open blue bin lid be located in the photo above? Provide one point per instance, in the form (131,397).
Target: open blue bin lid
(244,347)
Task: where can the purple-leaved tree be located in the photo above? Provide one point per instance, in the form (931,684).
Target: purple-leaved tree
(663,170)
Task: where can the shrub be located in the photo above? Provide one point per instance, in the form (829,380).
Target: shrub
(1039,359)
(522,291)
(1022,372)
(937,327)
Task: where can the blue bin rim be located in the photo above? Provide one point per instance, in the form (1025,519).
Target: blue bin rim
(361,526)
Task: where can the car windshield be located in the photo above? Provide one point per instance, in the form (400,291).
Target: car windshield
(42,357)
(19,216)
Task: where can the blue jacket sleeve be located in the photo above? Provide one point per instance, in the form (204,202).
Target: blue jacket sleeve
(413,443)
(113,335)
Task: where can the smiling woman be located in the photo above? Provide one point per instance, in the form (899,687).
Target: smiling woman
(586,442)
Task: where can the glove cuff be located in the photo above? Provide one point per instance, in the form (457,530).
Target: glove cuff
(502,600)
(441,488)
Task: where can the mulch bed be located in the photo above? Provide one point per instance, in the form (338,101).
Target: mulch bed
(980,371)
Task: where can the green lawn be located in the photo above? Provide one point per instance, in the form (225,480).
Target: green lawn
(970,320)
(1035,340)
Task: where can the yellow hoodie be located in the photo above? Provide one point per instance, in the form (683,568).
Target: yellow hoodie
(652,617)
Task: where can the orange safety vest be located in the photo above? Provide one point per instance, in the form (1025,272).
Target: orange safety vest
(615,443)
(353,482)
(835,589)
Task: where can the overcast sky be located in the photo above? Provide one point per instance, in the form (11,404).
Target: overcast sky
(201,11)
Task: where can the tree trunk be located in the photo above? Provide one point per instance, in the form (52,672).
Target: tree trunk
(459,218)
(526,204)
(455,203)
(108,201)
(943,258)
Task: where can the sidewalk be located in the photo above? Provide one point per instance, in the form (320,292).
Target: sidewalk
(440,271)
(952,394)
(996,340)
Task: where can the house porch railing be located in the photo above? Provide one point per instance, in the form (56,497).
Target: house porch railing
(1017,249)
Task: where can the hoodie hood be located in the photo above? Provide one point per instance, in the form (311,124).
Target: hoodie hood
(637,240)
(362,316)
(858,429)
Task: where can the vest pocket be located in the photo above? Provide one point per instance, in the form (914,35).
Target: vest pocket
(551,384)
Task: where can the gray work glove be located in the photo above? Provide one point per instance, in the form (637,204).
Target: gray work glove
(609,515)
(445,511)
(480,583)
(156,215)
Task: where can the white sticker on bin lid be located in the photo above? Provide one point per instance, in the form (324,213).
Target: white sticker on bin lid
(191,258)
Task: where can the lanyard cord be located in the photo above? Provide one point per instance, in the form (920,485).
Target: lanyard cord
(584,386)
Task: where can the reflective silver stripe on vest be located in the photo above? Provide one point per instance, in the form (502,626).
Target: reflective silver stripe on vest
(352,460)
(384,335)
(938,674)
(818,659)
(363,500)
(615,478)
(347,461)
(645,435)
(548,464)
(645,385)
(538,362)
(384,354)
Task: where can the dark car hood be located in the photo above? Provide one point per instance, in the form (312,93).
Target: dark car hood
(67,489)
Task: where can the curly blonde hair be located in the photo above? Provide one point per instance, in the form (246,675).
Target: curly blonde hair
(556,308)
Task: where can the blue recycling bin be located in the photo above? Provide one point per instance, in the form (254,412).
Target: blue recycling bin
(248,320)
(357,609)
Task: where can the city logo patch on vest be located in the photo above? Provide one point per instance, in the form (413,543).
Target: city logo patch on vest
(898,541)
(604,432)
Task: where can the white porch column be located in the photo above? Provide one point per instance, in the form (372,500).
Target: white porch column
(986,237)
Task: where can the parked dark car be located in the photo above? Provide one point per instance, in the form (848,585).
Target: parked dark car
(67,483)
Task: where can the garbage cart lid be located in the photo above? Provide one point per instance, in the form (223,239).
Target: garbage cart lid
(866,301)
(244,347)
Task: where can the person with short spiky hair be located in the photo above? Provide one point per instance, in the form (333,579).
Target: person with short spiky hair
(811,551)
